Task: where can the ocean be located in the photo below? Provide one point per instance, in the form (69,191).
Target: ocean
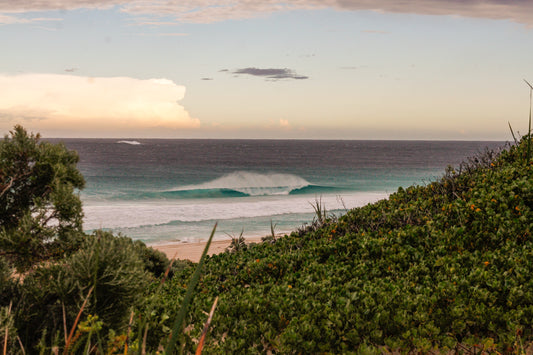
(174,191)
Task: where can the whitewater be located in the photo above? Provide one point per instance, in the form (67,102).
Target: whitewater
(174,191)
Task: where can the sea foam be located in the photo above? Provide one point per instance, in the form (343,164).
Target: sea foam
(121,214)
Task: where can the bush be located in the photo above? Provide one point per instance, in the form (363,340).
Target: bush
(40,211)
(111,265)
(155,261)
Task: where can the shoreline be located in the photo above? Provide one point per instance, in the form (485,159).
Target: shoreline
(193,251)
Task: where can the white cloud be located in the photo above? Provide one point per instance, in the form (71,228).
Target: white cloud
(52,101)
(207,11)
(284,123)
(40,5)
(10,20)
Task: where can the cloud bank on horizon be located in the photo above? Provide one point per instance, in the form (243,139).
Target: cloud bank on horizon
(53,100)
(208,11)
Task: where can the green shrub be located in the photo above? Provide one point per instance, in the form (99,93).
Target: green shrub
(109,264)
(112,265)
(431,268)
(155,261)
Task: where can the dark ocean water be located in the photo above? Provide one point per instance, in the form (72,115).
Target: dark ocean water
(175,190)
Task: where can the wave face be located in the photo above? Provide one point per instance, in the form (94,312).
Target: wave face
(244,183)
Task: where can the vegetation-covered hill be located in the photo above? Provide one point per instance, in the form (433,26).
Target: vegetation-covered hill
(446,266)
(443,266)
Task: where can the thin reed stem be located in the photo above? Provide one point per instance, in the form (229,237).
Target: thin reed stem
(7,328)
(529,126)
(206,328)
(128,334)
(21,345)
(65,331)
(67,345)
(178,324)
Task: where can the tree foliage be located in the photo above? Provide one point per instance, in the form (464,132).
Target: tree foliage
(39,207)
(41,219)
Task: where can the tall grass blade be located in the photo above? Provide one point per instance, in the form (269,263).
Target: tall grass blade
(64,321)
(7,329)
(272,231)
(144,322)
(178,324)
(71,334)
(206,328)
(529,127)
(321,214)
(128,333)
(21,346)
(514,137)
(145,336)
(168,269)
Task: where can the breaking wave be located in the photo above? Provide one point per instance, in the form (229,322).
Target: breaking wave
(244,183)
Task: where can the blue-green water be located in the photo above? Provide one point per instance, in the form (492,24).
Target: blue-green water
(176,190)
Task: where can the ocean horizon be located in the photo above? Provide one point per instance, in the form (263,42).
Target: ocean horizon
(175,190)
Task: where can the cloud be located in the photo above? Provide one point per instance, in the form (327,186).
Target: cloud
(21,6)
(273,74)
(208,11)
(10,20)
(284,123)
(54,101)
(518,11)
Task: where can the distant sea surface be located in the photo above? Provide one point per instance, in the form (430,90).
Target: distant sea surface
(166,191)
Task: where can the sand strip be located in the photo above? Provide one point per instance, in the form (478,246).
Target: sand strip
(193,251)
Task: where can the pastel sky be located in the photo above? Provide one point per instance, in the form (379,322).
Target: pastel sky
(330,69)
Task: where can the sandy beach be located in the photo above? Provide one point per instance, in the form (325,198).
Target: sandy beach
(193,251)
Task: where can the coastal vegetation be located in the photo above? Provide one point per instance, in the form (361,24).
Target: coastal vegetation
(440,267)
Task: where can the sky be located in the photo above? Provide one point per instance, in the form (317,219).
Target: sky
(301,69)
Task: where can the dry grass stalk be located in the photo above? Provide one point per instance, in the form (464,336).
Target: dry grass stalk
(7,329)
(128,334)
(168,269)
(143,348)
(67,345)
(64,321)
(21,346)
(206,328)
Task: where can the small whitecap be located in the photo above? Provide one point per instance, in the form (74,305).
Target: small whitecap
(130,142)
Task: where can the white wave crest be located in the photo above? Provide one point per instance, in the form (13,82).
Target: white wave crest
(130,142)
(253,184)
